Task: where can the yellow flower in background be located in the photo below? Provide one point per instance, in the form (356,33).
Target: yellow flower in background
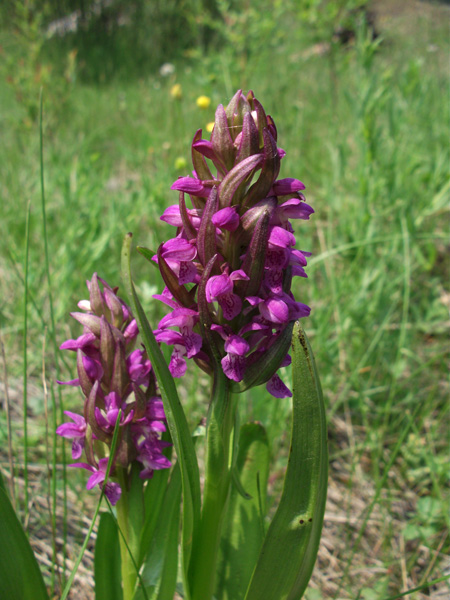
(176,92)
(203,102)
(180,163)
(210,127)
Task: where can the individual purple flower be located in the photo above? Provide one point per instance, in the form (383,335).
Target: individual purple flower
(227,218)
(220,288)
(112,490)
(151,456)
(186,342)
(75,431)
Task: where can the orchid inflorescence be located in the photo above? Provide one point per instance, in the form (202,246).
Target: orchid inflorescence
(113,376)
(229,269)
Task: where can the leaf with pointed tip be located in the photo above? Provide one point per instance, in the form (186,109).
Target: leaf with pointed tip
(176,418)
(92,322)
(261,117)
(107,562)
(20,577)
(221,138)
(115,305)
(95,296)
(297,524)
(269,171)
(235,110)
(250,139)
(236,176)
(243,530)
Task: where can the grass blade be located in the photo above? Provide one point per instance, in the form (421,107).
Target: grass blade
(25,363)
(52,327)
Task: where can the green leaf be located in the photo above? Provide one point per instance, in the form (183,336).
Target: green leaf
(153,499)
(290,548)
(20,577)
(176,419)
(243,530)
(160,566)
(2,484)
(107,569)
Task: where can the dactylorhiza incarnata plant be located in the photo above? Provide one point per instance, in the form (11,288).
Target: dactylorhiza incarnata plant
(228,273)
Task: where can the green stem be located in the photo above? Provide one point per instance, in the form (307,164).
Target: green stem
(216,490)
(129,573)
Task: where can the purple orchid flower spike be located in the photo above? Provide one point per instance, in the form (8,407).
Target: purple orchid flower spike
(115,376)
(234,257)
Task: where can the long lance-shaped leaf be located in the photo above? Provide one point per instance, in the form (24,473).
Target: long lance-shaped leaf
(290,548)
(108,582)
(243,530)
(159,571)
(153,501)
(20,577)
(176,419)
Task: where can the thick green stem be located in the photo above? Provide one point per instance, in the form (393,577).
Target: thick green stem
(216,490)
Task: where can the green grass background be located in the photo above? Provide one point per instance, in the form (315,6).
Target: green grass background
(366,128)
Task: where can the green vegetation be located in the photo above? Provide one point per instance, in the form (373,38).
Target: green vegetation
(365,125)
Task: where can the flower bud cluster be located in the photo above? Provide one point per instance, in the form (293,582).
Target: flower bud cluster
(113,376)
(228,270)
